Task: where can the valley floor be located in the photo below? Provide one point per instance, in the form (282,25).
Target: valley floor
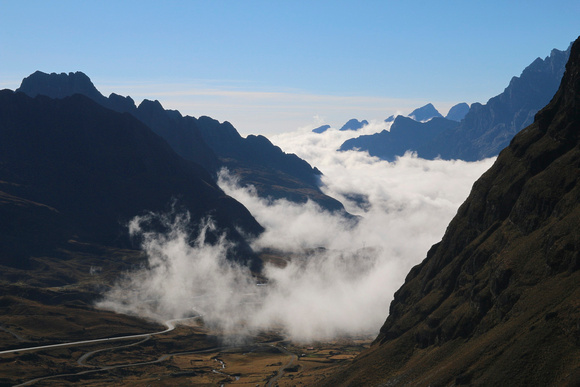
(188,355)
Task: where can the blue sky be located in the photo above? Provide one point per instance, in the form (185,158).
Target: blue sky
(273,66)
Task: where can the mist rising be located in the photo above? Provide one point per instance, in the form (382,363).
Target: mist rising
(342,273)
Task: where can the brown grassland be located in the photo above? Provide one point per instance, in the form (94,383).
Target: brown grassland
(52,303)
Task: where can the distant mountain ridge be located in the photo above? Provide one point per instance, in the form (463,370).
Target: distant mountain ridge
(404,134)
(353,124)
(486,129)
(203,140)
(425,113)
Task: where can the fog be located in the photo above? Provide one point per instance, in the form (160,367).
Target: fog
(340,273)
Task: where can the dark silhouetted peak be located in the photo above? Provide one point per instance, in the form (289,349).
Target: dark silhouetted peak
(390,119)
(425,113)
(182,135)
(457,112)
(204,141)
(174,114)
(321,129)
(59,85)
(354,124)
(222,137)
(261,141)
(122,104)
(152,106)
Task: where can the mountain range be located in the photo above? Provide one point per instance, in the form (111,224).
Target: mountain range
(484,130)
(209,143)
(422,114)
(496,301)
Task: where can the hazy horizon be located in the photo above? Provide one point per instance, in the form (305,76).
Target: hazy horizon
(270,68)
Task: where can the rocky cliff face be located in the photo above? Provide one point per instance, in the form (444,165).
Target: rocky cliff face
(496,302)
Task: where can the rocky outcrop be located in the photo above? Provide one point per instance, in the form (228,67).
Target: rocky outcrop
(496,301)
(425,113)
(458,112)
(321,129)
(354,124)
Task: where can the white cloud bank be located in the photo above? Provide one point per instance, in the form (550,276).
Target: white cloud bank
(342,274)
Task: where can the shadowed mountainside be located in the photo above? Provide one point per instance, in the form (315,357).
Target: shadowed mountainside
(214,145)
(72,169)
(496,301)
(486,129)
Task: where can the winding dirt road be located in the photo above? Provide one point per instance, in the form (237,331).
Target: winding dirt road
(170,326)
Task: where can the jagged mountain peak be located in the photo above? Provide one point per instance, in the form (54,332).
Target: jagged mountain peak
(554,62)
(154,107)
(425,113)
(202,140)
(59,85)
(123,104)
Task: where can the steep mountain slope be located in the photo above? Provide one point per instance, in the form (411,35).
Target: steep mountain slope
(486,129)
(205,141)
(496,302)
(72,169)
